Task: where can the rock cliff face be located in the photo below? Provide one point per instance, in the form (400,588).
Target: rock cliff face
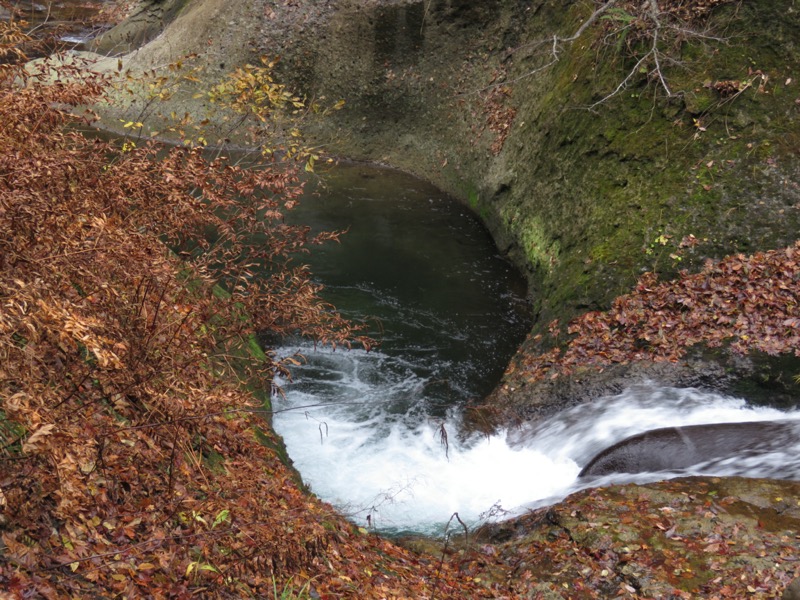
(584,199)
(451,90)
(583,168)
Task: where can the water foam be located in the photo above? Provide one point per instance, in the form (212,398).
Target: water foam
(364,442)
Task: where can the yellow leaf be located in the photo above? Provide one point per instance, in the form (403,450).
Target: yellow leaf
(146,566)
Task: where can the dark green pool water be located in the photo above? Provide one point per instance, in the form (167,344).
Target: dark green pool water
(424,272)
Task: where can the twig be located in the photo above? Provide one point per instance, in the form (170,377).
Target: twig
(443,440)
(654,15)
(622,84)
(444,549)
(555,45)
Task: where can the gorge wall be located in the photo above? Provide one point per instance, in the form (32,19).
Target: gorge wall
(580,197)
(586,172)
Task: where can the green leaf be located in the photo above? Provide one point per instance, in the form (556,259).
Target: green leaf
(223,515)
(207,567)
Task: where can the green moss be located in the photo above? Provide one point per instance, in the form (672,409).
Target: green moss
(220,292)
(11,434)
(255,349)
(540,250)
(275,443)
(597,187)
(700,101)
(473,199)
(214,460)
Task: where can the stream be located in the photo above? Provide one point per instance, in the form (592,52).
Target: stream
(73,22)
(377,433)
(365,429)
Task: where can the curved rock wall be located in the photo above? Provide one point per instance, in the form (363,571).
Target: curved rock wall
(584,199)
(584,196)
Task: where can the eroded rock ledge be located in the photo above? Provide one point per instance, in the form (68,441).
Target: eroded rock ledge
(684,538)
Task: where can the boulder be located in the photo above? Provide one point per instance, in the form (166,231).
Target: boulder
(676,448)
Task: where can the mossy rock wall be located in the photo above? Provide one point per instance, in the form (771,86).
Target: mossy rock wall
(584,199)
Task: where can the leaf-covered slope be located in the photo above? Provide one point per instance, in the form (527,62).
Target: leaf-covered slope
(748,303)
(132,461)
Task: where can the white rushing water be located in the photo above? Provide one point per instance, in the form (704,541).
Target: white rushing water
(365,429)
(357,428)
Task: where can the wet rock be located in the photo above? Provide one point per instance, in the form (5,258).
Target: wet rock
(760,379)
(691,537)
(676,448)
(792,591)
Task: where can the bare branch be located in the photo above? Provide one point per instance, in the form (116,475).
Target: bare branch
(590,21)
(654,16)
(624,83)
(649,25)
(556,43)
